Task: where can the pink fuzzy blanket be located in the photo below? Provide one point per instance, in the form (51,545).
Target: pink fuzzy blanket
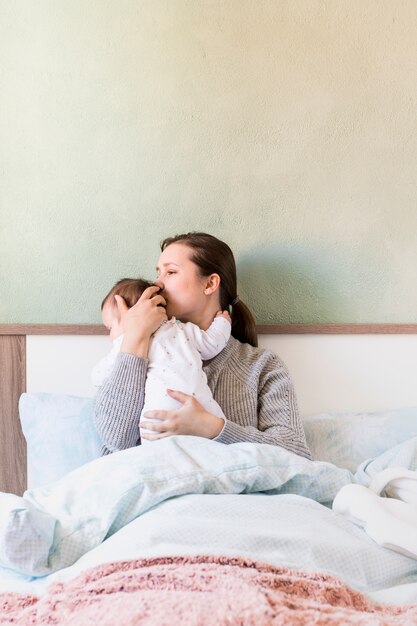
(200,591)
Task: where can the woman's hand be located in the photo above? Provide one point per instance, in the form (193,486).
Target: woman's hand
(190,419)
(141,320)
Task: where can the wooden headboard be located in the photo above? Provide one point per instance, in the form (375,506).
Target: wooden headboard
(13,373)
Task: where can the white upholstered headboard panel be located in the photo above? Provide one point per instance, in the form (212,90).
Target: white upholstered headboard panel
(330,372)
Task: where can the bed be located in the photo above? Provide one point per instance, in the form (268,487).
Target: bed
(190,531)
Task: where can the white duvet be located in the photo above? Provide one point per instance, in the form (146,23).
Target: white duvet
(187,495)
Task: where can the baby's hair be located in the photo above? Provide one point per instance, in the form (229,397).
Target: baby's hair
(130,289)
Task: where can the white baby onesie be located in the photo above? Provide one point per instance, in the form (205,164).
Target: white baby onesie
(102,370)
(176,352)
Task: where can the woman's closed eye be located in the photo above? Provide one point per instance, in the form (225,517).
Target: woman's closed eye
(159,274)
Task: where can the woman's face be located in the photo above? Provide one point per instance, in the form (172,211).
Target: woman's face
(181,285)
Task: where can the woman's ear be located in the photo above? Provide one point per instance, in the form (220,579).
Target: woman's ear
(212,284)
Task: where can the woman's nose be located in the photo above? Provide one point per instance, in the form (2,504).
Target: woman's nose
(159,283)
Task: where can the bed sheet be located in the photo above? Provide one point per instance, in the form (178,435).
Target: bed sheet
(283,530)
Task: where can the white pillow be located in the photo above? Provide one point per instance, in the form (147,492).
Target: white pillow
(348,439)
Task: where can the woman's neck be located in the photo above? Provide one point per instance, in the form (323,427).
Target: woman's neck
(205,318)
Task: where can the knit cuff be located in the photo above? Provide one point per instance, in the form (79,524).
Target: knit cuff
(230,433)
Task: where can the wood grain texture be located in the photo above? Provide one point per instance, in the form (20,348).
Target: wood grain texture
(268,329)
(53,329)
(13,469)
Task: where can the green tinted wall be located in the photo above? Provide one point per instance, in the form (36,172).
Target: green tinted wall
(286,128)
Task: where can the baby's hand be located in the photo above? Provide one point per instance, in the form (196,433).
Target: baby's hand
(224,314)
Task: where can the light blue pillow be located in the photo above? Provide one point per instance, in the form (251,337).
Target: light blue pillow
(348,439)
(60,435)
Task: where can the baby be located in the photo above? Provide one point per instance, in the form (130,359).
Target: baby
(175,355)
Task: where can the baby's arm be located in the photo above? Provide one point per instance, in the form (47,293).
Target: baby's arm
(225,315)
(211,341)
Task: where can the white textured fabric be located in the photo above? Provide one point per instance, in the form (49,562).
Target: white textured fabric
(396,482)
(102,370)
(390,521)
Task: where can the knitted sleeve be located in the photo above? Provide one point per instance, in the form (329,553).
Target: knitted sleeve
(278,420)
(119,402)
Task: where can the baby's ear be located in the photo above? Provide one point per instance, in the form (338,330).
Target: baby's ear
(121,304)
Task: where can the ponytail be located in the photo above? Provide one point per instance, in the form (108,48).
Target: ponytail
(243,324)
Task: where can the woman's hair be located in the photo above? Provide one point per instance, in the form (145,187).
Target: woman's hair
(130,289)
(213,256)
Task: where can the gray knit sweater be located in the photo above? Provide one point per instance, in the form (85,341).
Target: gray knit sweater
(251,385)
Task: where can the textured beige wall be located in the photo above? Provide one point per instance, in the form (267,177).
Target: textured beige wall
(288,128)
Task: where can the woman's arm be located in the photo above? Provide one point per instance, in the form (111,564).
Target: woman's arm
(119,402)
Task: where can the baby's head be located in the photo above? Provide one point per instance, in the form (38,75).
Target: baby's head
(131,290)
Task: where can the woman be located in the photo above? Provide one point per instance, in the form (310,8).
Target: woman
(197,278)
